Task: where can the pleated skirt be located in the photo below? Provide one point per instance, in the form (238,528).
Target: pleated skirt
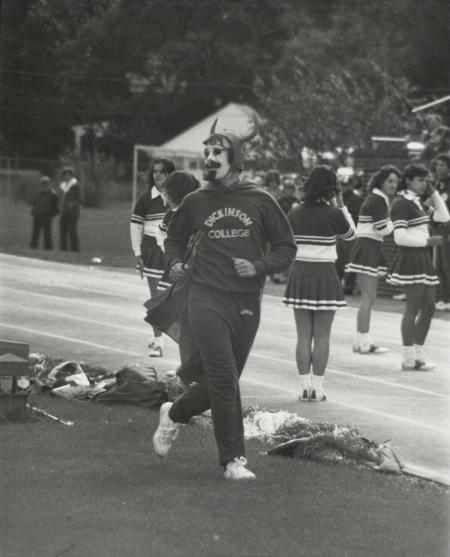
(314,286)
(367,258)
(153,257)
(412,266)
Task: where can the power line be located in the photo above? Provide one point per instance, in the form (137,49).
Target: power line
(122,80)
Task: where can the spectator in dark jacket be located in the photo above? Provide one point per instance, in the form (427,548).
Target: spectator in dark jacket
(45,208)
(70,210)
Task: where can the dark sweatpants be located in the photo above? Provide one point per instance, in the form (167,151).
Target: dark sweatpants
(224,326)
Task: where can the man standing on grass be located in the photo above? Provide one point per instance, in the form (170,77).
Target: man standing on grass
(70,210)
(246,236)
(45,208)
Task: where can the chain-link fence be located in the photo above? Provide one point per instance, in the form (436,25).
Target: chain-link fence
(101,181)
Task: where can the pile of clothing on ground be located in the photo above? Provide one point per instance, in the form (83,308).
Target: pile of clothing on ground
(131,384)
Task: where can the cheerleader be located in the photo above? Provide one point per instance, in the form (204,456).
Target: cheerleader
(412,267)
(367,258)
(176,187)
(148,214)
(313,289)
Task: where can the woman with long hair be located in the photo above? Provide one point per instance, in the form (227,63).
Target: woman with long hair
(313,289)
(367,259)
(148,214)
(412,267)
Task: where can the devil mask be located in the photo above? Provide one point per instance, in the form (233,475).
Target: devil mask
(225,152)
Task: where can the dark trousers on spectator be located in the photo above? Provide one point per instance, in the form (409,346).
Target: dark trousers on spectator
(43,224)
(68,230)
(224,326)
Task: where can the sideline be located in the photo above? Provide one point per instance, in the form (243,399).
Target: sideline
(268,386)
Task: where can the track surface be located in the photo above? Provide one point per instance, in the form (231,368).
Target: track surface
(96,315)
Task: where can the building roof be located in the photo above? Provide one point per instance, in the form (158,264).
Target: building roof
(233,116)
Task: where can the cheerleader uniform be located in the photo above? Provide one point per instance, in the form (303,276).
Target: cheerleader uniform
(413,264)
(147,215)
(367,256)
(313,282)
(165,281)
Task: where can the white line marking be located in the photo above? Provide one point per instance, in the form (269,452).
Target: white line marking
(70,339)
(251,381)
(356,376)
(78,301)
(67,317)
(352,406)
(253,353)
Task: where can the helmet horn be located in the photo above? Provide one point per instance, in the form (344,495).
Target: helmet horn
(213,128)
(253,130)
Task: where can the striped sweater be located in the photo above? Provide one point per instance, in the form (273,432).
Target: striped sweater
(411,219)
(373,220)
(148,214)
(316,229)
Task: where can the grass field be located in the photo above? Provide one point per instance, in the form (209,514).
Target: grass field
(103,233)
(96,489)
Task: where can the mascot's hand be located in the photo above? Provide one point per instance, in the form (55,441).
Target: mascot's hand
(177,271)
(140,266)
(244,268)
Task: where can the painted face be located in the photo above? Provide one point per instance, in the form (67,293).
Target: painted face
(216,162)
(159,175)
(390,185)
(418,184)
(441,168)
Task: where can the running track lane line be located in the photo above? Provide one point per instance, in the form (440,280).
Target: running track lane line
(356,376)
(130,297)
(353,406)
(251,381)
(253,353)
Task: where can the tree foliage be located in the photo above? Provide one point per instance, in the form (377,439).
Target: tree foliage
(67,63)
(323,111)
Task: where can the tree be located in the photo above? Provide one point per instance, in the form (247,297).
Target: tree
(323,112)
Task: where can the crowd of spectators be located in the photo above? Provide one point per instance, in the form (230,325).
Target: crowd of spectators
(287,189)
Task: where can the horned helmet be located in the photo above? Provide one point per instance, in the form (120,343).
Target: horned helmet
(225,150)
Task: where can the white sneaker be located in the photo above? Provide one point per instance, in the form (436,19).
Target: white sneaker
(370,348)
(236,470)
(418,365)
(304,395)
(401,297)
(156,352)
(166,432)
(171,372)
(317,395)
(440,306)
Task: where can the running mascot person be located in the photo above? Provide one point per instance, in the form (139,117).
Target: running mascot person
(245,236)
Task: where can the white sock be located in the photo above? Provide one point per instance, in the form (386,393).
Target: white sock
(418,350)
(305,381)
(365,338)
(357,340)
(316,382)
(159,341)
(408,355)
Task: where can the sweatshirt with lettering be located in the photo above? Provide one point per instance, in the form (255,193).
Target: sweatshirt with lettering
(239,221)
